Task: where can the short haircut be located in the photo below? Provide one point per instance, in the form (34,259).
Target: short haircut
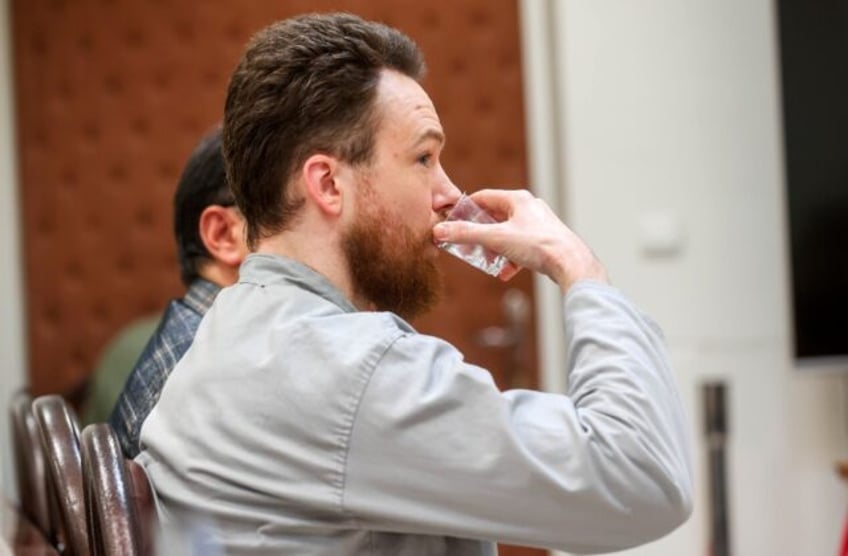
(304,85)
(203,183)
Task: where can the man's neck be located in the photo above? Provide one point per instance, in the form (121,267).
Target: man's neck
(219,274)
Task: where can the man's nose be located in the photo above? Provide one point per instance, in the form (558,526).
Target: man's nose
(446,195)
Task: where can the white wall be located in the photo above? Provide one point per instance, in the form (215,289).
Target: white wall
(12,349)
(670,135)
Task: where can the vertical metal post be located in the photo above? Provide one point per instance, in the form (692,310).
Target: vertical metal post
(715,414)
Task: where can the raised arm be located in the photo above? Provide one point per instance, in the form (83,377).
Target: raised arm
(530,235)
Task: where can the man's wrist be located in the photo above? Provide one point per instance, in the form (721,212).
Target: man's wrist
(591,270)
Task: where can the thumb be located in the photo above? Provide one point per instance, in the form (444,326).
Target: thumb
(457,231)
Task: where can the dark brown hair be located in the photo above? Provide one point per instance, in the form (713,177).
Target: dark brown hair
(304,85)
(203,183)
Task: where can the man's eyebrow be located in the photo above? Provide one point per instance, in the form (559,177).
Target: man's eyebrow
(431,133)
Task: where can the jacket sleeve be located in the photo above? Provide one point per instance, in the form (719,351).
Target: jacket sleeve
(436,448)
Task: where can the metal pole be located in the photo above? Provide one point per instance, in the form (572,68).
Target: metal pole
(715,413)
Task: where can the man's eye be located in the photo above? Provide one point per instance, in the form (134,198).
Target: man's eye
(425,159)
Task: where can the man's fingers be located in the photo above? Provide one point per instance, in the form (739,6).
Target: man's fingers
(500,202)
(457,231)
(510,269)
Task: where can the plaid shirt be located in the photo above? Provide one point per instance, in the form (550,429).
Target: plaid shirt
(169,343)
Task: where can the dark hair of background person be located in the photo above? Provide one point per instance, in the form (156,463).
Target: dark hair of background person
(304,85)
(202,183)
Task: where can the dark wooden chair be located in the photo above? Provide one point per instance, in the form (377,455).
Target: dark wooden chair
(30,465)
(118,496)
(59,432)
(20,536)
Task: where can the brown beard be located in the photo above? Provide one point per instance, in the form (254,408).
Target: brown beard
(388,263)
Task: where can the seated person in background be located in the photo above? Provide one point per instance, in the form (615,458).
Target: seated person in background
(308,416)
(114,366)
(210,239)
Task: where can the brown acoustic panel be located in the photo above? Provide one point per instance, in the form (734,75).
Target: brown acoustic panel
(113,94)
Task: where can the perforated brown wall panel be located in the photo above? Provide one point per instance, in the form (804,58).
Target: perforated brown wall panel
(113,94)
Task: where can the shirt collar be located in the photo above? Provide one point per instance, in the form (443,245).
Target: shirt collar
(200,295)
(265,269)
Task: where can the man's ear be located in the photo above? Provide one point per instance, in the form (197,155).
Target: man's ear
(222,232)
(323,183)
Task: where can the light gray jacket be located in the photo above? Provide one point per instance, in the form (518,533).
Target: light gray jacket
(296,424)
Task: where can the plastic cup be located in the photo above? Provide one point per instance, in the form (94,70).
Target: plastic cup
(475,255)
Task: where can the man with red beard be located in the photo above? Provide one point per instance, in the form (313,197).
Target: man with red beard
(308,417)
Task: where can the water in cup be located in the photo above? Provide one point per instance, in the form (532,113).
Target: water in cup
(475,255)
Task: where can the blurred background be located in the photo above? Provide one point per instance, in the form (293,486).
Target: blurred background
(654,128)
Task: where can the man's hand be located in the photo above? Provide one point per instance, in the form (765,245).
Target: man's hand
(529,234)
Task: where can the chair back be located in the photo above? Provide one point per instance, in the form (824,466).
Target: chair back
(30,467)
(59,430)
(119,497)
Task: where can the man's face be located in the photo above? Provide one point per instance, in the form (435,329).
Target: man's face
(400,196)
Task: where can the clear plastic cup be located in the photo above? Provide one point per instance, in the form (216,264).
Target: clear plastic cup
(475,255)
